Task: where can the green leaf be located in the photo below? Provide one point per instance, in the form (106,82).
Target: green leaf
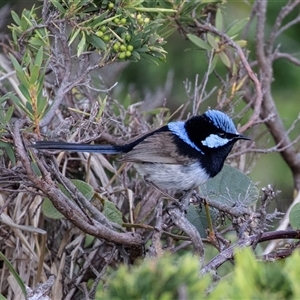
(58,6)
(237,27)
(11,154)
(97,21)
(34,74)
(106,20)
(42,106)
(36,169)
(212,41)
(231,187)
(8,148)
(15,18)
(81,45)
(154,9)
(5,97)
(8,114)
(219,20)
(20,73)
(29,23)
(225,59)
(213,63)
(73,36)
(25,91)
(198,42)
(51,212)
(111,212)
(19,103)
(197,216)
(86,190)
(39,57)
(15,274)
(37,42)
(295,216)
(97,42)
(101,108)
(135,55)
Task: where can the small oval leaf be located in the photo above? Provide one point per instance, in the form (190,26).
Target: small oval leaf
(231,187)
(81,45)
(198,217)
(50,211)
(225,59)
(111,212)
(212,41)
(219,20)
(237,27)
(198,42)
(295,216)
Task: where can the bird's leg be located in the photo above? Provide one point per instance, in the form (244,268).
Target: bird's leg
(185,198)
(168,196)
(160,190)
(183,201)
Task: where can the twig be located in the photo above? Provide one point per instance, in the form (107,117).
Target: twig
(287,56)
(228,253)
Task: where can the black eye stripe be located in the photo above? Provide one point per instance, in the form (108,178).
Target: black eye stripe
(226,135)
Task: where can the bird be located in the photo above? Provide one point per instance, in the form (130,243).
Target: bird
(177,157)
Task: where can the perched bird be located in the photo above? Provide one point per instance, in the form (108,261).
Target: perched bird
(179,156)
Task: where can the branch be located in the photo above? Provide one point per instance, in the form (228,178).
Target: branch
(287,56)
(283,224)
(228,253)
(276,31)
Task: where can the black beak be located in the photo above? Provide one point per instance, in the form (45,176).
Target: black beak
(242,137)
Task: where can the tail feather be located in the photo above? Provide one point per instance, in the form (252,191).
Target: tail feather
(73,147)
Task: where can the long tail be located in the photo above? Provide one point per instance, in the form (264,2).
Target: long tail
(73,147)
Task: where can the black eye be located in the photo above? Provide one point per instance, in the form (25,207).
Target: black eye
(222,134)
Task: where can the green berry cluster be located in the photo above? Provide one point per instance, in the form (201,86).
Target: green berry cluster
(141,19)
(111,29)
(123,50)
(104,34)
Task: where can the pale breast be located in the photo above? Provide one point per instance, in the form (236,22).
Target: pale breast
(173,177)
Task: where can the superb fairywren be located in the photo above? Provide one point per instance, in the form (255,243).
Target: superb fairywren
(179,156)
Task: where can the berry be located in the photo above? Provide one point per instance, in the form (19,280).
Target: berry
(99,33)
(129,47)
(123,48)
(116,47)
(106,38)
(122,55)
(127,37)
(128,53)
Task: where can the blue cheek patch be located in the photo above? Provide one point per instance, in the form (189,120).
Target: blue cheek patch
(179,129)
(214,141)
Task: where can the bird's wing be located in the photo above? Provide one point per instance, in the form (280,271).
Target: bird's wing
(156,148)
